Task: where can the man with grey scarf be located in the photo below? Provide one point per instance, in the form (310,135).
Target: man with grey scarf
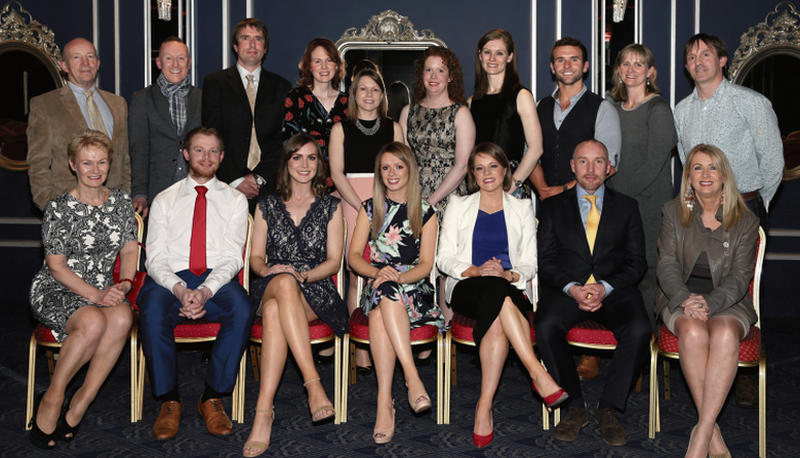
(159,116)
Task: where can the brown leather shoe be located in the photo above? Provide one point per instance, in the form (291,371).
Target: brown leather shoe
(571,423)
(610,429)
(588,367)
(217,421)
(169,418)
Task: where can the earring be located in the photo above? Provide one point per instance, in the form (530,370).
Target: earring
(648,82)
(688,198)
(620,81)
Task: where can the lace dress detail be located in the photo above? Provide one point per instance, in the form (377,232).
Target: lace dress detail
(303,247)
(432,137)
(397,247)
(90,237)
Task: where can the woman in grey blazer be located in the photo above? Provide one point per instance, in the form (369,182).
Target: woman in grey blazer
(707,251)
(487,249)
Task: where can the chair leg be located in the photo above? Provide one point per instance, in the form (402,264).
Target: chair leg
(638,385)
(352,366)
(439,379)
(134,346)
(667,390)
(762,404)
(651,423)
(347,356)
(337,380)
(140,385)
(31,380)
(237,403)
(51,363)
(255,360)
(448,361)
(453,366)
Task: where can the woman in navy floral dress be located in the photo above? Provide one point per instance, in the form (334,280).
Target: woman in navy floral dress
(297,247)
(401,230)
(316,104)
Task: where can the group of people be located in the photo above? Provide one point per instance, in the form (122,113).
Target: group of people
(328,174)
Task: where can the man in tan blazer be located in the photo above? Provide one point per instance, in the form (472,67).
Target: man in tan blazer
(61,114)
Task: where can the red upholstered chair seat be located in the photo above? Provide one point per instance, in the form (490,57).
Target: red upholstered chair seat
(461,327)
(196,329)
(359,328)
(317,329)
(749,348)
(44,334)
(591,332)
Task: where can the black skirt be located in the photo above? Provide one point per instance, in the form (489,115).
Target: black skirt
(481,298)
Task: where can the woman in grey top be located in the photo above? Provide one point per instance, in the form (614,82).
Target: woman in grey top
(648,138)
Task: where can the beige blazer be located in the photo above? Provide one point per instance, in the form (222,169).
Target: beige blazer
(55,119)
(455,238)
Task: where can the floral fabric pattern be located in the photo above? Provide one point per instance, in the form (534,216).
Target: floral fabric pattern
(304,247)
(397,247)
(303,112)
(90,237)
(432,137)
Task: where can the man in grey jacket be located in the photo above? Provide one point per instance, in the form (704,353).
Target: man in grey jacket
(159,116)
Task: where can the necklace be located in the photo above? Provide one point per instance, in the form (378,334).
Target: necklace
(368,131)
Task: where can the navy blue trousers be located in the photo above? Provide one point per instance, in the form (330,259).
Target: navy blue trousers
(159,315)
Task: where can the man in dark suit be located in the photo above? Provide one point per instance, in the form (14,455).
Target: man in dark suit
(245,104)
(58,116)
(159,116)
(591,256)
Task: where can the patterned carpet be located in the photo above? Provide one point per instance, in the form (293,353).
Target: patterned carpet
(106,430)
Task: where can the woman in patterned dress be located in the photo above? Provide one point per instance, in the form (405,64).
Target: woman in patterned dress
(73,294)
(401,230)
(297,247)
(438,125)
(316,104)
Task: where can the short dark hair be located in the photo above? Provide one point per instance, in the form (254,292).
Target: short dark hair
(569,41)
(169,39)
(254,23)
(202,130)
(282,181)
(495,152)
(712,41)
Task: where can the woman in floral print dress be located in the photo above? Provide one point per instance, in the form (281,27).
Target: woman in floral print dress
(401,231)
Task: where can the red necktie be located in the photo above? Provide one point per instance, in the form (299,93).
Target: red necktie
(197,246)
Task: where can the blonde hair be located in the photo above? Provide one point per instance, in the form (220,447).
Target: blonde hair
(733,206)
(87,139)
(619,92)
(413,195)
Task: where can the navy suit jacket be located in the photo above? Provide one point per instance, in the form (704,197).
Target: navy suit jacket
(564,256)
(226,108)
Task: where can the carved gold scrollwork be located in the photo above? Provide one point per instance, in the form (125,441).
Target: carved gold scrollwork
(780,29)
(17,24)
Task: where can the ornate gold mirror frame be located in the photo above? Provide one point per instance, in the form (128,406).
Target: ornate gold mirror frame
(26,46)
(389,39)
(778,34)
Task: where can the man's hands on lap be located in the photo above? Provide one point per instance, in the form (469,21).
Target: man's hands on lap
(589,297)
(192,301)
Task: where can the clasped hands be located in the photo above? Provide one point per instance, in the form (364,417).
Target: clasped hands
(491,268)
(302,277)
(589,297)
(193,301)
(695,307)
(112,295)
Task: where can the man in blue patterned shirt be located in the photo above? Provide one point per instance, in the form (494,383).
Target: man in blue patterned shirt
(736,119)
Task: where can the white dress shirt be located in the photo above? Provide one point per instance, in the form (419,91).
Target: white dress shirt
(170,230)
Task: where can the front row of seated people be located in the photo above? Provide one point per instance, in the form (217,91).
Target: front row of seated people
(590,253)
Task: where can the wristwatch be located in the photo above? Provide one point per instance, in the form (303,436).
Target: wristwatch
(518,183)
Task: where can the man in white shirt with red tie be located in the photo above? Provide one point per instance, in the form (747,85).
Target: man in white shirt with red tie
(196,235)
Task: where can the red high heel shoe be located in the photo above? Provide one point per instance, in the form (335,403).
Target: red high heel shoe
(553,400)
(482,441)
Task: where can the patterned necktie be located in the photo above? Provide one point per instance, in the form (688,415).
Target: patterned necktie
(592,223)
(197,245)
(94,114)
(254,153)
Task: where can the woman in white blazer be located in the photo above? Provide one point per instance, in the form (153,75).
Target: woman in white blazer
(487,249)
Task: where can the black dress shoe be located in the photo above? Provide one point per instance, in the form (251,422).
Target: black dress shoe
(323,359)
(364,370)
